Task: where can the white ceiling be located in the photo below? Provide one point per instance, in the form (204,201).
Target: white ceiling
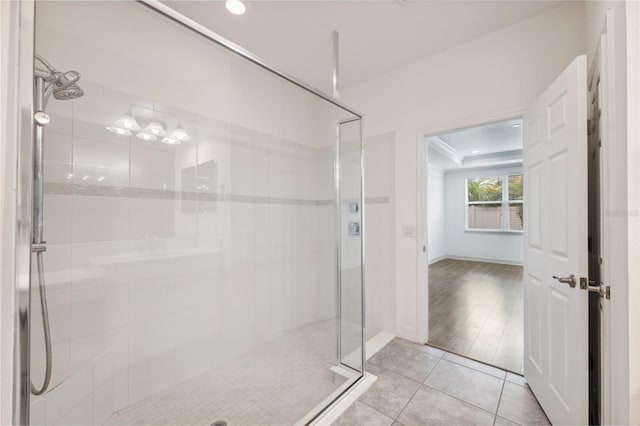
(487,139)
(375,36)
(495,143)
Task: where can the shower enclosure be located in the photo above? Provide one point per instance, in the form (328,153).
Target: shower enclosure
(201,236)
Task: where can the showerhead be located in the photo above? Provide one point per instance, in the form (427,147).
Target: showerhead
(67,78)
(72,91)
(61,84)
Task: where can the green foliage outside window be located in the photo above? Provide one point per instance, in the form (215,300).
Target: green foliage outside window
(516,189)
(485,189)
(487,206)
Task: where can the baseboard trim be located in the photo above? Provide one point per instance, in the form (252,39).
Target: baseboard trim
(437,259)
(407,333)
(377,342)
(484,259)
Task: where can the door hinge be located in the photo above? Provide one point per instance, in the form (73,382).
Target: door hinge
(600,288)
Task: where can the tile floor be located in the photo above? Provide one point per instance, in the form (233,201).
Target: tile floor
(422,385)
(476,310)
(276,385)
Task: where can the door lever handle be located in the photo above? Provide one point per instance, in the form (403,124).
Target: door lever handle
(571,280)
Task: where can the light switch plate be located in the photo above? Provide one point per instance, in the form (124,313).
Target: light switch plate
(409,231)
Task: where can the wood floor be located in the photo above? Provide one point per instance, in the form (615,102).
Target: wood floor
(476,310)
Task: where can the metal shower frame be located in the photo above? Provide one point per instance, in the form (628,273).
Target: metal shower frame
(24,204)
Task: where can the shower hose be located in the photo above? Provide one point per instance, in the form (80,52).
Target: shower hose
(45,326)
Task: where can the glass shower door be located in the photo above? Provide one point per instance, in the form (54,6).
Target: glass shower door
(204,258)
(350,217)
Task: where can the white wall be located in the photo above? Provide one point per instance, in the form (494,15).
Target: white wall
(474,245)
(379,233)
(495,76)
(436,217)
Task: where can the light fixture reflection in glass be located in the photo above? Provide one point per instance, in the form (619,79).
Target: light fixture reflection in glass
(100,178)
(171,141)
(118,131)
(516,125)
(155,128)
(180,134)
(475,151)
(147,136)
(129,122)
(235,6)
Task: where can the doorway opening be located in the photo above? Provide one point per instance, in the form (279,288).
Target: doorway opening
(475,220)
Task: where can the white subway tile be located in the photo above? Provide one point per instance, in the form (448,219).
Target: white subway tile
(121,390)
(100,219)
(98,162)
(58,218)
(153,218)
(37,411)
(151,376)
(81,414)
(70,394)
(103,399)
(151,299)
(152,168)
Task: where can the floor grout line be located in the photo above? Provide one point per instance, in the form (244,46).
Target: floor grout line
(460,399)
(408,402)
(479,362)
(500,399)
(422,385)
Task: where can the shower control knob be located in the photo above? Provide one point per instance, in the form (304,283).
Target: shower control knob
(42,118)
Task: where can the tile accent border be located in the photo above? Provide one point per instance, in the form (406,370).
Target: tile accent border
(159,194)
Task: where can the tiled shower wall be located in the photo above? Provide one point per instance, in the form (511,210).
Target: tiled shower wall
(380,235)
(165,261)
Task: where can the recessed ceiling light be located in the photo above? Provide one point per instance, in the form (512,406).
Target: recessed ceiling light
(475,151)
(236,7)
(516,125)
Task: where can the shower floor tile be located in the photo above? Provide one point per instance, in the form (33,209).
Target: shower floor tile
(276,385)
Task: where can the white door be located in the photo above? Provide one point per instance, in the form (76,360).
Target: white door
(555,313)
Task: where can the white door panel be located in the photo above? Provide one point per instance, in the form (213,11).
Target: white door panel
(556,314)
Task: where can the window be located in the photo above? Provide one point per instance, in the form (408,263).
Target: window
(494,206)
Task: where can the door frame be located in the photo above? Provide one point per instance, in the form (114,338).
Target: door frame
(613,320)
(422,237)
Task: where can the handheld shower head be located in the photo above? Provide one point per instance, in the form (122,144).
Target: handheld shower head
(68,78)
(71,91)
(62,85)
